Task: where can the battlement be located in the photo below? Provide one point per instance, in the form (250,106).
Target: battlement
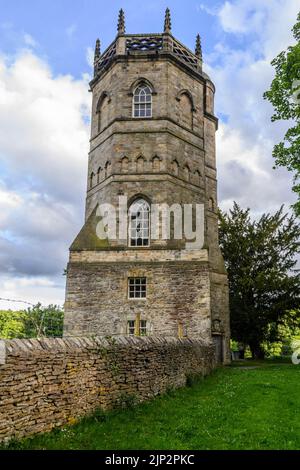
(145,45)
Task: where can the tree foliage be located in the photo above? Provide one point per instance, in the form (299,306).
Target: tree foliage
(284,94)
(264,285)
(12,324)
(35,322)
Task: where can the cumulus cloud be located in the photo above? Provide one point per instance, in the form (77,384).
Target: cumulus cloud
(253,33)
(269,20)
(90,56)
(44,135)
(31,290)
(71,30)
(43,153)
(29,40)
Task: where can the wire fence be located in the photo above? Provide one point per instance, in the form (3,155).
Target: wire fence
(34,321)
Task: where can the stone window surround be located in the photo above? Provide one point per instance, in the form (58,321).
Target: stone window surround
(131,327)
(139,105)
(145,227)
(137,288)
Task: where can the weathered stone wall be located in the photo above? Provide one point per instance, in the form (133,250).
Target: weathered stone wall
(52,382)
(178,296)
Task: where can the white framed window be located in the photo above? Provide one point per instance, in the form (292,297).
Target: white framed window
(131,331)
(137,288)
(131,327)
(139,223)
(142,102)
(143,328)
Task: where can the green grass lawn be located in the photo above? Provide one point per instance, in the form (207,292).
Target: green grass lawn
(233,408)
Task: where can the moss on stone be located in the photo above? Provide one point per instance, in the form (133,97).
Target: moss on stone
(87,238)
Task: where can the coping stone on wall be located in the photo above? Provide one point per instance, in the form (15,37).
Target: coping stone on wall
(2,352)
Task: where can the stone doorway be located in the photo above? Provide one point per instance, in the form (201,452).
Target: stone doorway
(218,343)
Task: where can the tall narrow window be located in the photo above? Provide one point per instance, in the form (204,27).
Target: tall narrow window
(186,109)
(156,164)
(143,328)
(99,174)
(139,223)
(124,164)
(187,172)
(92,180)
(131,327)
(140,164)
(175,167)
(103,111)
(142,102)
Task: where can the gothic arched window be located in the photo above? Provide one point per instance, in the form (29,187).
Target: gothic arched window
(155,164)
(139,223)
(197,177)
(175,167)
(99,175)
(186,108)
(102,110)
(187,172)
(211,204)
(124,164)
(142,102)
(140,164)
(92,180)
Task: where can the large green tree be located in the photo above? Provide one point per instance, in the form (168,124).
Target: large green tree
(12,324)
(44,321)
(264,286)
(284,94)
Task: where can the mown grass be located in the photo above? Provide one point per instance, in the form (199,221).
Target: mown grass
(232,409)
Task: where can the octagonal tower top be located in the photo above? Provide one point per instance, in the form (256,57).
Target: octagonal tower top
(126,46)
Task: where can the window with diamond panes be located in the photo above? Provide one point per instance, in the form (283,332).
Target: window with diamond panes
(142,102)
(137,288)
(139,223)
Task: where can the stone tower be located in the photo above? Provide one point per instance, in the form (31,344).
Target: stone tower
(152,142)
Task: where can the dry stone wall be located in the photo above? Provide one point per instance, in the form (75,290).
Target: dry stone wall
(48,383)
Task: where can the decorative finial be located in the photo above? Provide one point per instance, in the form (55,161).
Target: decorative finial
(97,56)
(167,27)
(97,49)
(121,22)
(198,48)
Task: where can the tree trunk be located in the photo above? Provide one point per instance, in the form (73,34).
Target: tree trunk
(257,351)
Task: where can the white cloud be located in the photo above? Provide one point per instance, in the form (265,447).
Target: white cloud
(271,20)
(43,149)
(246,174)
(244,15)
(71,30)
(31,290)
(242,73)
(213,11)
(43,135)
(90,56)
(29,40)
(44,139)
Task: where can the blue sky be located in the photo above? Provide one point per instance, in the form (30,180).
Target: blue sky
(65,28)
(46,48)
